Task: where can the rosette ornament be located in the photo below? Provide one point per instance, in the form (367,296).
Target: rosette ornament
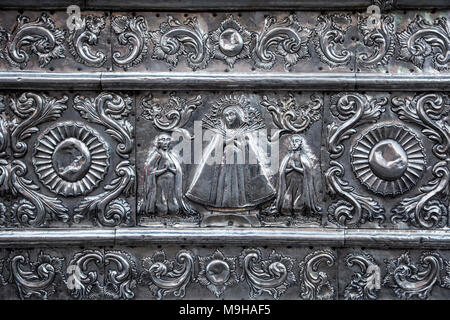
(70,158)
(230,42)
(388,159)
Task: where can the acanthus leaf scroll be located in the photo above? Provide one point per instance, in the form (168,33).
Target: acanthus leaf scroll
(381,38)
(175,39)
(131,31)
(272,275)
(423,39)
(121,275)
(329,36)
(315,284)
(81,40)
(36,209)
(285,38)
(354,109)
(38,278)
(365,284)
(40,37)
(430,112)
(165,277)
(109,209)
(30,110)
(111,111)
(172,116)
(409,280)
(290,117)
(89,282)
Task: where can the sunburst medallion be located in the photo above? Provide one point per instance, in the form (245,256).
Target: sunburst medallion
(70,158)
(388,159)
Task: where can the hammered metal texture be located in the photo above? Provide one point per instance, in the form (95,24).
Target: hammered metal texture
(280,152)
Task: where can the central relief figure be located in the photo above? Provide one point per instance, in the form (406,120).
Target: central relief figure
(232,174)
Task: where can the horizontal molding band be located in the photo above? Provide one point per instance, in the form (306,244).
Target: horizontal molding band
(222,81)
(371,238)
(216,4)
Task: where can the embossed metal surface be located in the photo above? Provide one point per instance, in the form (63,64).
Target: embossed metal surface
(285,151)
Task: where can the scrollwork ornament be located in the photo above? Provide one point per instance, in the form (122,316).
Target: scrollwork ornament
(121,280)
(131,31)
(110,110)
(4,218)
(85,283)
(430,112)
(355,110)
(37,278)
(291,117)
(384,5)
(329,36)
(420,211)
(108,210)
(40,36)
(423,39)
(31,110)
(5,173)
(315,284)
(173,115)
(175,39)
(381,39)
(3,267)
(217,272)
(165,277)
(272,275)
(364,285)
(4,128)
(36,209)
(286,39)
(81,40)
(407,279)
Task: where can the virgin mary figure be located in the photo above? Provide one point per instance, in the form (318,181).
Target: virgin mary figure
(297,191)
(230,181)
(163,181)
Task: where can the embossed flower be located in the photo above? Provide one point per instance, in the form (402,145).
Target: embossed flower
(230,42)
(217,272)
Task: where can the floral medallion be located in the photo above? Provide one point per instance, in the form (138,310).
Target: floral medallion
(388,159)
(230,42)
(70,158)
(217,272)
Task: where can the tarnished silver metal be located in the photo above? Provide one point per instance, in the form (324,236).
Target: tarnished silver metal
(276,150)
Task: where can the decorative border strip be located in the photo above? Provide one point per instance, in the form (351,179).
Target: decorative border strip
(270,273)
(223,81)
(290,42)
(220,5)
(338,238)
